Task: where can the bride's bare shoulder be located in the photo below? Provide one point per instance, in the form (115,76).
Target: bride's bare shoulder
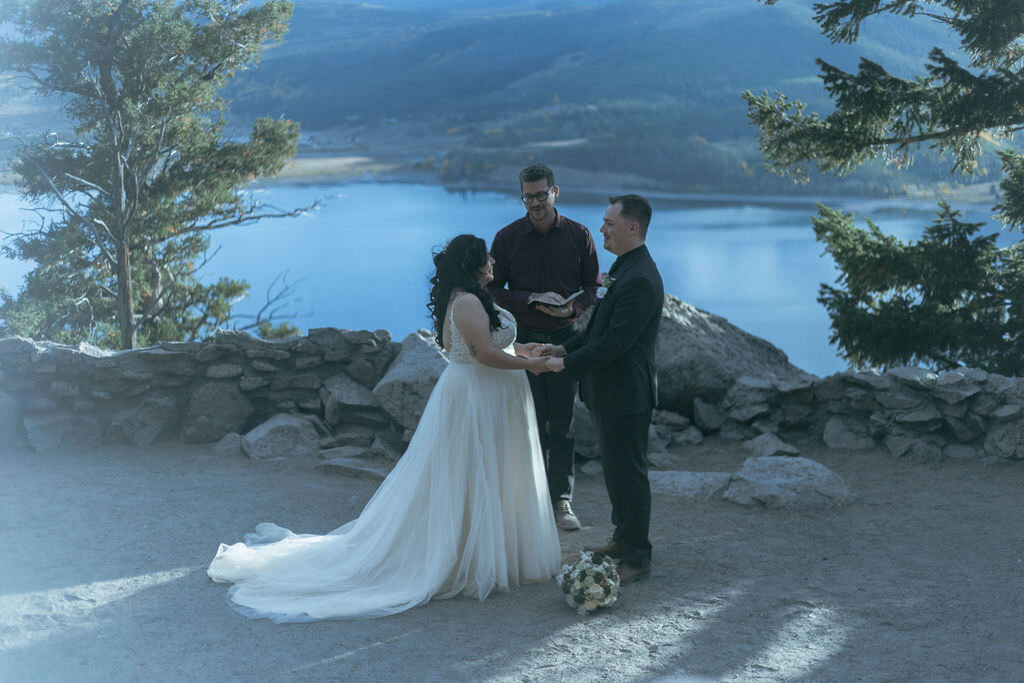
(463,300)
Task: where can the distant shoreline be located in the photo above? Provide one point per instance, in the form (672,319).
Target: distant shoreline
(327,169)
(311,168)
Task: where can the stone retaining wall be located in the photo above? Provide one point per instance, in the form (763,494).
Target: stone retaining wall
(363,394)
(962,414)
(57,395)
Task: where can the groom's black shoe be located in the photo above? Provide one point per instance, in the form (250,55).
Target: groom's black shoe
(628,573)
(611,551)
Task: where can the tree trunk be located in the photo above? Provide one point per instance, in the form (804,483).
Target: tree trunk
(125,312)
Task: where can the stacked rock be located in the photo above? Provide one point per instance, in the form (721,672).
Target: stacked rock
(79,396)
(963,413)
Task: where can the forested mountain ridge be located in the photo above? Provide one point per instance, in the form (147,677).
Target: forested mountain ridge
(649,88)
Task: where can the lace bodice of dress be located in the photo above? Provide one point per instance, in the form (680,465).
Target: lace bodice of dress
(502,337)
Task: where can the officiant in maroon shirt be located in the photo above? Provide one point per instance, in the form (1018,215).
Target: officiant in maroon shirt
(539,260)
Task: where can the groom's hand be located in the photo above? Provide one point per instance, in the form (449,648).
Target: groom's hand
(551,350)
(555,364)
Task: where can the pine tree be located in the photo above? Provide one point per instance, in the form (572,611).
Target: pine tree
(951,298)
(126,201)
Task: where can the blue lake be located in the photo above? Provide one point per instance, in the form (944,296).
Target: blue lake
(362,260)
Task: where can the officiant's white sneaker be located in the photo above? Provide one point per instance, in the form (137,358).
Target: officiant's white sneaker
(565,518)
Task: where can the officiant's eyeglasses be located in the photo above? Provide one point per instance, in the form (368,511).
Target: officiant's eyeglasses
(538,197)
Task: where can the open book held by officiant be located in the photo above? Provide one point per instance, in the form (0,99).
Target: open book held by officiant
(552,299)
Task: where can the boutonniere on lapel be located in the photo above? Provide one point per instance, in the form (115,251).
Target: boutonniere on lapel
(606,283)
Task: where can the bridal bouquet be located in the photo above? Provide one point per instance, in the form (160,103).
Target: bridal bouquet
(588,585)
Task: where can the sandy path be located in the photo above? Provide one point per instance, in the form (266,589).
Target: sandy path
(102,578)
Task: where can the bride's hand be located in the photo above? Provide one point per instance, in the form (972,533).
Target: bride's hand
(530,350)
(537,365)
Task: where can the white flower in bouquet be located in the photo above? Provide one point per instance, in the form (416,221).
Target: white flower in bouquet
(588,585)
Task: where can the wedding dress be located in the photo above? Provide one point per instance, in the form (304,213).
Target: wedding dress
(465,510)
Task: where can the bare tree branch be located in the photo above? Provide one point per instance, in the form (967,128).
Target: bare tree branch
(248,218)
(277,297)
(87,183)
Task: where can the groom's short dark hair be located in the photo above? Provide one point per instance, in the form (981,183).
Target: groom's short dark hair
(536,172)
(636,207)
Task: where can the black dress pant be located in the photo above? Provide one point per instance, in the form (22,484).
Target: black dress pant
(622,440)
(554,394)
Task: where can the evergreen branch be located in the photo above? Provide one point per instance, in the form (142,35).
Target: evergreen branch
(939,135)
(91,222)
(149,173)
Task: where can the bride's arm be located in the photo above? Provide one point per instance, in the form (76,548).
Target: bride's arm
(471,319)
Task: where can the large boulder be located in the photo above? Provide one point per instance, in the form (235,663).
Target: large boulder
(282,436)
(689,484)
(1006,440)
(230,445)
(847,433)
(916,447)
(215,409)
(707,416)
(769,444)
(405,388)
(341,394)
(142,424)
(701,355)
(781,481)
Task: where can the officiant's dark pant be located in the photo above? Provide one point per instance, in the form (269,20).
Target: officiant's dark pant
(554,394)
(622,440)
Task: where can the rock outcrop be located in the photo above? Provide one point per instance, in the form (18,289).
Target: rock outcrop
(282,436)
(780,481)
(701,355)
(404,390)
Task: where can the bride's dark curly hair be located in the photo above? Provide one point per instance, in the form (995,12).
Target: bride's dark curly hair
(458,266)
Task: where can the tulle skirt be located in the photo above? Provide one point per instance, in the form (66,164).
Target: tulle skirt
(466,511)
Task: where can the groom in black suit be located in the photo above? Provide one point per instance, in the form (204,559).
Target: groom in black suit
(614,361)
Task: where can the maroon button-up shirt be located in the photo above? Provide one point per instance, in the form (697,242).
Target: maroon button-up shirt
(562,260)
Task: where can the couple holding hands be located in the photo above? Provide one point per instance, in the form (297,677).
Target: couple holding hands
(474,503)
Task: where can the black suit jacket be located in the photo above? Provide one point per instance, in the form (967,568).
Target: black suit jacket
(614,358)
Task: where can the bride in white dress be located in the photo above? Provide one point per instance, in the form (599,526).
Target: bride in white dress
(466,509)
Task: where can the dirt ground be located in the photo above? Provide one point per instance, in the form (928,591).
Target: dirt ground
(102,578)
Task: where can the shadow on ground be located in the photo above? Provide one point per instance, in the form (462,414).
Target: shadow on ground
(103,578)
